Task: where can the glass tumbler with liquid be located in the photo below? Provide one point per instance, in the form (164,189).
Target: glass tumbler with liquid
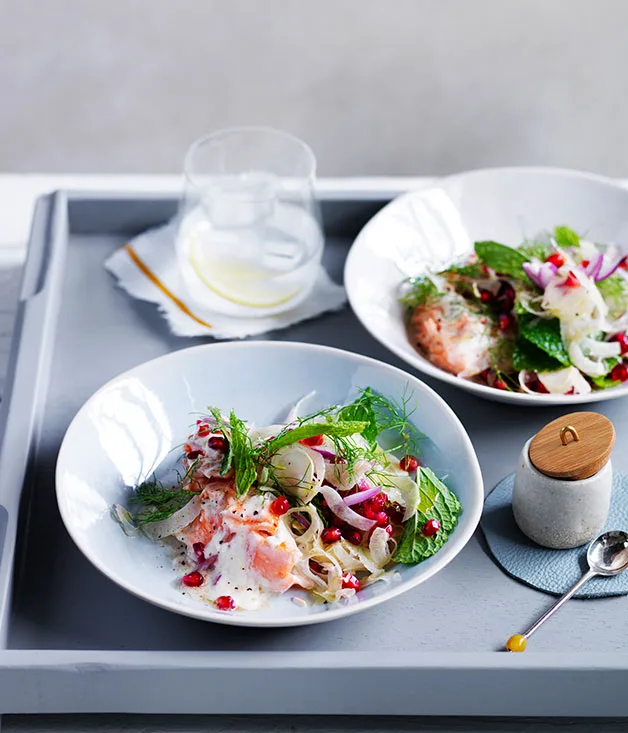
(249,239)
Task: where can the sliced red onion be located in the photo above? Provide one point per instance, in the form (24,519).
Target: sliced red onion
(595,265)
(208,563)
(607,270)
(300,519)
(540,272)
(327,455)
(338,507)
(361,496)
(532,271)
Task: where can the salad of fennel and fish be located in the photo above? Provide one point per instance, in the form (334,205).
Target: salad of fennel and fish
(325,503)
(547,317)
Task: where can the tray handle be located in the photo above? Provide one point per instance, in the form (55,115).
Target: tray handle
(50,223)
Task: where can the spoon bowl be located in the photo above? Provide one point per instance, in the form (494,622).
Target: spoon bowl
(608,553)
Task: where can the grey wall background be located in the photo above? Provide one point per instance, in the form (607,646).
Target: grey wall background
(411,87)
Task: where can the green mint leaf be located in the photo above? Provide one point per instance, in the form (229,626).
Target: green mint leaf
(545,334)
(502,259)
(566,237)
(437,502)
(309,430)
(606,381)
(536,250)
(362,410)
(243,455)
(422,291)
(528,357)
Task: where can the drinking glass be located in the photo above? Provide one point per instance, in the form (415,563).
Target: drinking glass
(249,239)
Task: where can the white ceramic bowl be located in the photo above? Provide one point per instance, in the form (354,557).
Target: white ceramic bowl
(130,426)
(431,227)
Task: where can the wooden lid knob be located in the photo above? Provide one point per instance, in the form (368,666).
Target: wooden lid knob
(574,447)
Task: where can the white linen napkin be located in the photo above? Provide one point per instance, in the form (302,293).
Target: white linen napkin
(146,267)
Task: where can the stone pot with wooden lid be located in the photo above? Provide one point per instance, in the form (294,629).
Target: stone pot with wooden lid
(563,482)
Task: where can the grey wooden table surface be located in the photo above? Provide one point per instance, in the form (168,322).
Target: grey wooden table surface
(9,286)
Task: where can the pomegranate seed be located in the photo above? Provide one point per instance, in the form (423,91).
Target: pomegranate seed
(199,551)
(624,263)
(396,512)
(430,528)
(331,534)
(619,373)
(622,340)
(556,258)
(585,263)
(314,440)
(381,518)
(485,269)
(506,297)
(315,567)
(336,521)
(409,464)
(194,454)
(368,511)
(198,422)
(280,506)
(504,322)
(187,448)
(337,459)
(486,296)
(353,536)
(500,384)
(225,603)
(350,581)
(193,579)
(204,431)
(217,443)
(377,502)
(571,281)
(535,384)
(388,528)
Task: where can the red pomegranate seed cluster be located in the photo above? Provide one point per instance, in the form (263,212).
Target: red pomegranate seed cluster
(622,340)
(225,603)
(558,259)
(217,442)
(409,464)
(379,508)
(430,528)
(571,281)
(280,506)
(350,581)
(330,535)
(193,579)
(620,373)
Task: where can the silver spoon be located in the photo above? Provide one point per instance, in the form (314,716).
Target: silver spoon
(607,555)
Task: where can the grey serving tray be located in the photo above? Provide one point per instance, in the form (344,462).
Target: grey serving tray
(72,641)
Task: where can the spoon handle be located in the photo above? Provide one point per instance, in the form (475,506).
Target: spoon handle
(560,602)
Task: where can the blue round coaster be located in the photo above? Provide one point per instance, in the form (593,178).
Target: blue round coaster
(552,571)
